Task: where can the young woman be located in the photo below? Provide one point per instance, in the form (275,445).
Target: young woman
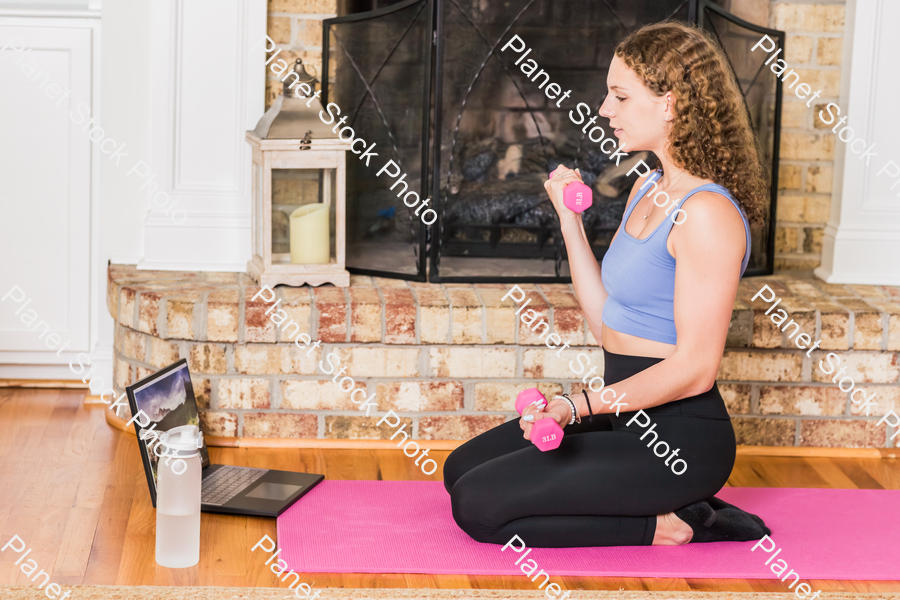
(660,306)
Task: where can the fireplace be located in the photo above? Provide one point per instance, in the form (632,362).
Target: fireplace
(427,81)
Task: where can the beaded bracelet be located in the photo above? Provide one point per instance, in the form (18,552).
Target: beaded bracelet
(575,417)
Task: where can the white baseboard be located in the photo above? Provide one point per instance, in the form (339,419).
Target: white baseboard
(46,365)
(859,256)
(35,372)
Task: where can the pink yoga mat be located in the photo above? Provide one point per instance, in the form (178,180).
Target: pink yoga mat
(407,527)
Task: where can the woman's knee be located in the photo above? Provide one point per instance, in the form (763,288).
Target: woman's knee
(477,451)
(462,460)
(472,509)
(454,467)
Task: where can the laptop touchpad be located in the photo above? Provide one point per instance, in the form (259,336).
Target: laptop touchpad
(273,491)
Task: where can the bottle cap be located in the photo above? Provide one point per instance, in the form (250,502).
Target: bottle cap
(182,442)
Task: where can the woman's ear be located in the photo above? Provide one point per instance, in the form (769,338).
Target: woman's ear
(670,106)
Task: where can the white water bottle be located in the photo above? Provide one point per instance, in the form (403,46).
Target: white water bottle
(178,498)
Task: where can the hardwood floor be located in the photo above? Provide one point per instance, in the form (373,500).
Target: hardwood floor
(74,490)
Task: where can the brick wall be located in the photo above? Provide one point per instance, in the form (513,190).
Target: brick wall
(814,48)
(296,27)
(450,358)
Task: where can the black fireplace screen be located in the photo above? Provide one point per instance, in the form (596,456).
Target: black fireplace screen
(467,129)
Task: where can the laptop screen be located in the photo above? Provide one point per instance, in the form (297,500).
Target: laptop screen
(167,398)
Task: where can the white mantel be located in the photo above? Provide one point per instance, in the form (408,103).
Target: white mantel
(862,240)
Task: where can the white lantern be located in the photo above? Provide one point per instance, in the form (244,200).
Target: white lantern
(299,192)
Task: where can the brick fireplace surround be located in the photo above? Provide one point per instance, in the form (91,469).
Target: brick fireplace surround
(450,358)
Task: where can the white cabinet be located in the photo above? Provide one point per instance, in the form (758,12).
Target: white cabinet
(46,188)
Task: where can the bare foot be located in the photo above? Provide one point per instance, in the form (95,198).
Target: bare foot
(671,531)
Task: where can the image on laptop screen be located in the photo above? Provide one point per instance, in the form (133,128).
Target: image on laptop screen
(169,402)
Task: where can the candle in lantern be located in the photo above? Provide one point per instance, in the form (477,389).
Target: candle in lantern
(310,236)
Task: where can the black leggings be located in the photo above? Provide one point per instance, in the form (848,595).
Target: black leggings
(603,486)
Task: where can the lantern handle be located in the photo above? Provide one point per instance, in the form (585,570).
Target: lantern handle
(301,67)
(315,72)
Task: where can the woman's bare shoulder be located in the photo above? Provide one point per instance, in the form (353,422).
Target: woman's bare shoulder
(711,223)
(709,208)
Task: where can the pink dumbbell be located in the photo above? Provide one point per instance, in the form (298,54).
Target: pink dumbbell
(576,196)
(545,433)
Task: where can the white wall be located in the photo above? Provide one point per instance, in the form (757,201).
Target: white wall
(126,116)
(862,239)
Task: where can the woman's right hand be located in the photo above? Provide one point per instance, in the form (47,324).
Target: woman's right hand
(555,186)
(558,410)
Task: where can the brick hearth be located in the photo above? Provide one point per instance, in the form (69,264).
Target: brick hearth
(450,358)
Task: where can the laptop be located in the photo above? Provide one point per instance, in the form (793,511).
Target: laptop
(167,398)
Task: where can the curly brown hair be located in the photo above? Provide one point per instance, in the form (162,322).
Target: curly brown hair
(711,135)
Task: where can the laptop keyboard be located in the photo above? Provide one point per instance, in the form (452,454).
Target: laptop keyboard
(228,482)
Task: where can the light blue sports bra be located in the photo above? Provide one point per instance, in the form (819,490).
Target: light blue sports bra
(639,275)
